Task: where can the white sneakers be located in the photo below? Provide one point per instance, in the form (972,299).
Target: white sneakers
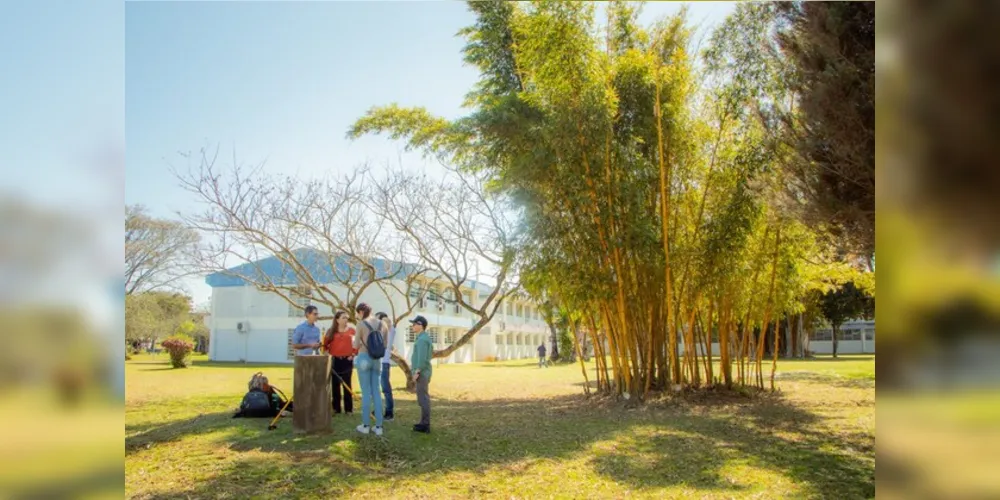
(364,429)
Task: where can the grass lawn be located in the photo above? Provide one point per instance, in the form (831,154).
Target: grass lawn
(508,430)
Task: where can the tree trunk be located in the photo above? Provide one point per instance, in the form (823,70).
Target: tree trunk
(312,397)
(836,331)
(583,367)
(788,336)
(803,337)
(553,339)
(405,368)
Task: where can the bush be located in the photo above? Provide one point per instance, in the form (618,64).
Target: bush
(179,347)
(490,359)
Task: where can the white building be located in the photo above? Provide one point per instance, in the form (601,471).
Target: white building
(254,326)
(856,337)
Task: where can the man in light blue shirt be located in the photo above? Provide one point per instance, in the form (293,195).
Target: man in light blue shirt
(305,338)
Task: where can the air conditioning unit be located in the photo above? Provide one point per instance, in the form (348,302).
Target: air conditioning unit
(243,326)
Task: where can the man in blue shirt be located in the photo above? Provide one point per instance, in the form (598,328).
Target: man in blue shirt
(305,338)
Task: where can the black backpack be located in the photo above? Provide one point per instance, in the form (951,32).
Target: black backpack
(375,344)
(256,404)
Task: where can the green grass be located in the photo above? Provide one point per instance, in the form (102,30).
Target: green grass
(509,430)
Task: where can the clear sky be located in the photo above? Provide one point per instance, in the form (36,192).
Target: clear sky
(283,81)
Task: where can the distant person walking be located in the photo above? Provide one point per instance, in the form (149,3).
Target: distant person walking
(386,367)
(305,337)
(420,364)
(541,356)
(369,371)
(339,343)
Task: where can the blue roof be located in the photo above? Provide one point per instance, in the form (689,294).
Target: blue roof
(317,264)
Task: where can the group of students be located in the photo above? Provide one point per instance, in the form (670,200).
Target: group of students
(348,348)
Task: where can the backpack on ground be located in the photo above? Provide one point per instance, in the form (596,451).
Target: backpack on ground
(375,344)
(258,401)
(256,404)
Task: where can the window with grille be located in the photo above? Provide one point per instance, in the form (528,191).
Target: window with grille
(851,334)
(300,299)
(449,337)
(520,311)
(499,339)
(291,351)
(411,336)
(415,297)
(510,309)
(870,334)
(822,335)
(432,295)
(434,335)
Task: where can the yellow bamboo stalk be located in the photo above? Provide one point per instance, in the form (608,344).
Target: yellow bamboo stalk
(665,226)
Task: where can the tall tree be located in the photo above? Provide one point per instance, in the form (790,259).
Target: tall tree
(844,303)
(156,251)
(645,186)
(830,52)
(153,315)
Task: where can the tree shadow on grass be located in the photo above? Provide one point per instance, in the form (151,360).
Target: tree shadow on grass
(866,382)
(674,443)
(526,364)
(700,449)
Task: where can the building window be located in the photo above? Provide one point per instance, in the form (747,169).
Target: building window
(434,335)
(520,311)
(432,295)
(870,334)
(300,299)
(499,339)
(449,337)
(509,309)
(850,334)
(291,352)
(415,297)
(822,335)
(411,336)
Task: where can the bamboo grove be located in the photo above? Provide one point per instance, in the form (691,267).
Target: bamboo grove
(648,183)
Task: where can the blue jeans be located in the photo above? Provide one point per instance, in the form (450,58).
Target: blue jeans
(369,371)
(387,387)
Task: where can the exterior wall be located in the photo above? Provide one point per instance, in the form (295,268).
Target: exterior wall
(856,337)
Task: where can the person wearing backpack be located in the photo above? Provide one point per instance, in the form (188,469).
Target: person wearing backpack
(370,345)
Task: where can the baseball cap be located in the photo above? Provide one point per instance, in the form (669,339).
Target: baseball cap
(420,320)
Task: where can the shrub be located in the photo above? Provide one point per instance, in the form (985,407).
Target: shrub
(179,347)
(490,359)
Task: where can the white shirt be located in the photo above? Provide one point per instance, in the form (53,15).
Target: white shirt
(388,345)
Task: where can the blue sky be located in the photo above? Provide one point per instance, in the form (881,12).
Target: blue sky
(283,81)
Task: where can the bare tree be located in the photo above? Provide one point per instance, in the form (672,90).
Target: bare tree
(337,238)
(330,248)
(450,224)
(155,251)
